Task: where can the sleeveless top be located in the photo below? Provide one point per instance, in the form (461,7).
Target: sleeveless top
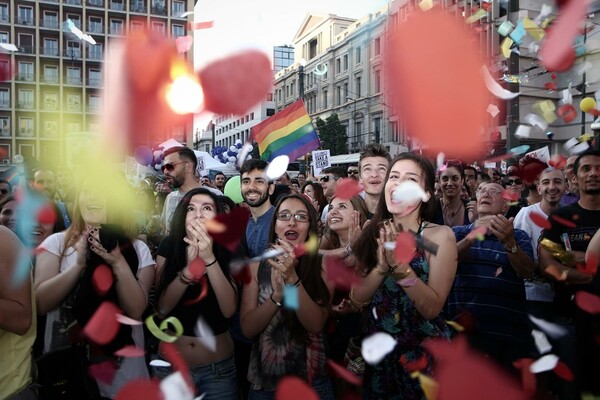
(393,312)
(275,354)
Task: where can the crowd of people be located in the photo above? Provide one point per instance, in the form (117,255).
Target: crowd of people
(495,252)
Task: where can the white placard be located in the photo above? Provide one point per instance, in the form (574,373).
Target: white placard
(542,154)
(489,165)
(321,160)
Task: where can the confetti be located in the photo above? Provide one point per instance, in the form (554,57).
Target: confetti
(498,272)
(495,88)
(9,47)
(184,43)
(343,373)
(528,380)
(563,371)
(102,279)
(540,220)
(429,386)
(493,110)
(564,222)
(347,188)
(291,387)
(541,341)
(476,233)
(556,273)
(277,167)
(159,331)
(409,193)
(194,26)
(405,248)
(104,371)
(103,325)
(130,351)
(178,363)
(174,387)
(523,131)
(320,69)
(558,161)
(411,366)
(197,268)
(125,320)
(407,282)
(519,149)
(205,335)
(235,84)
(140,389)
(159,363)
(375,347)
(213,226)
(290,297)
(236,221)
(588,302)
(543,364)
(457,327)
(567,112)
(339,274)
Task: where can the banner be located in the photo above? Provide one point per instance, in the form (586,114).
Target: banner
(542,154)
(321,160)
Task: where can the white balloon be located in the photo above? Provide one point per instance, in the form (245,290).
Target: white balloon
(243,153)
(375,347)
(18,159)
(233,148)
(238,141)
(409,192)
(232,159)
(277,167)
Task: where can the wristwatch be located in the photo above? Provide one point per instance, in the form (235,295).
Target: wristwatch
(512,250)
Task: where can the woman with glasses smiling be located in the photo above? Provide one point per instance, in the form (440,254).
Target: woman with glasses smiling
(290,339)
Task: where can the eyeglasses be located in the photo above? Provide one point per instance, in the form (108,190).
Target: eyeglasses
(286,216)
(493,192)
(510,182)
(326,178)
(170,167)
(350,172)
(3,191)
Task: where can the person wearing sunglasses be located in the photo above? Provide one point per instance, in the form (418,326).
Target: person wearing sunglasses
(329,179)
(290,338)
(513,184)
(352,172)
(489,284)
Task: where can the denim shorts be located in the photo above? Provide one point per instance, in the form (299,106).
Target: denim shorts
(216,381)
(322,386)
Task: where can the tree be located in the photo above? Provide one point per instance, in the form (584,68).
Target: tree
(332,135)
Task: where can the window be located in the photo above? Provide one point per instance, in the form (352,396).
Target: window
(25,127)
(377,46)
(377,76)
(278,98)
(94,77)
(345,62)
(51,128)
(51,73)
(357,129)
(377,128)
(292,91)
(325,102)
(346,92)
(117,5)
(25,43)
(252,116)
(73,126)
(358,55)
(158,27)
(73,49)
(50,19)
(338,95)
(50,101)
(177,31)
(116,27)
(76,19)
(95,51)
(50,47)
(312,48)
(95,24)
(4,98)
(5,126)
(357,86)
(178,8)
(73,102)
(25,15)
(4,37)
(73,76)
(4,16)
(136,26)
(270,111)
(94,104)
(338,66)
(25,71)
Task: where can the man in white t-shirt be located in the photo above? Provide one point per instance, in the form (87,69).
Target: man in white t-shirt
(551,186)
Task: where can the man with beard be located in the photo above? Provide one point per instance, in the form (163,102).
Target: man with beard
(45,184)
(220,181)
(562,248)
(372,166)
(572,194)
(179,168)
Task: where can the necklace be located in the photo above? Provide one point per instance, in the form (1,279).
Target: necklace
(452,213)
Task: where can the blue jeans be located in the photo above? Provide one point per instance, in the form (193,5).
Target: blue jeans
(216,381)
(322,386)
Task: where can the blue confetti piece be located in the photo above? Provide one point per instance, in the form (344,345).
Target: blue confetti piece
(290,297)
(519,149)
(26,216)
(518,33)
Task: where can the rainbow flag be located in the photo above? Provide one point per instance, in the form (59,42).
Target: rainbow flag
(288,132)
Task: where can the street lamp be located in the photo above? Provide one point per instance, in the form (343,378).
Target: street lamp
(356,134)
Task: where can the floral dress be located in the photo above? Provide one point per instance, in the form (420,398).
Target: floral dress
(393,312)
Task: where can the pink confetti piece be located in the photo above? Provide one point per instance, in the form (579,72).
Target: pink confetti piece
(141,389)
(103,326)
(498,272)
(347,188)
(102,279)
(540,220)
(343,373)
(406,247)
(125,320)
(291,387)
(588,302)
(408,282)
(130,351)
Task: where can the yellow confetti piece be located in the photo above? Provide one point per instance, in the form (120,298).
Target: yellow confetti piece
(505,47)
(457,327)
(430,386)
(312,244)
(426,5)
(547,21)
(533,30)
(585,137)
(481,13)
(480,237)
(159,331)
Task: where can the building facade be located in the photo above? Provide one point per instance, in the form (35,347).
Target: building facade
(56,91)
(283,57)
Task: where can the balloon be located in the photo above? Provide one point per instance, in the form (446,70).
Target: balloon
(232,159)
(238,141)
(143,155)
(232,148)
(587,104)
(233,189)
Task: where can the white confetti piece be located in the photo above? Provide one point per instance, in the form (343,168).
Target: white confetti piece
(551,329)
(494,87)
(409,192)
(523,131)
(376,347)
(205,335)
(493,110)
(541,341)
(277,167)
(546,363)
(536,120)
(174,387)
(125,320)
(159,363)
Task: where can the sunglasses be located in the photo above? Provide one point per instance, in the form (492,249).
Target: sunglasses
(326,178)
(352,172)
(286,216)
(170,167)
(511,182)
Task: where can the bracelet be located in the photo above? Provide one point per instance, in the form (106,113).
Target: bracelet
(348,251)
(209,264)
(356,304)
(185,280)
(278,304)
(380,272)
(298,282)
(402,275)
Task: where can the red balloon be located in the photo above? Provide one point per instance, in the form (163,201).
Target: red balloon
(434,68)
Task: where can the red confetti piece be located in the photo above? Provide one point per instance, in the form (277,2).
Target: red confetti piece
(486,5)
(553,75)
(567,112)
(203,292)
(344,373)
(531,168)
(481,230)
(178,363)
(555,272)
(415,365)
(550,86)
(558,161)
(556,52)
(540,220)
(197,268)
(102,279)
(141,389)
(565,222)
(300,250)
(406,247)
(590,303)
(340,274)
(243,275)
(235,84)
(236,222)
(563,371)
(104,371)
(193,26)
(347,188)
(103,326)
(130,351)
(46,214)
(5,68)
(528,380)
(591,262)
(419,79)
(510,196)
(291,387)
(184,43)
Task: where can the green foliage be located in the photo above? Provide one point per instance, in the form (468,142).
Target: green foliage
(332,135)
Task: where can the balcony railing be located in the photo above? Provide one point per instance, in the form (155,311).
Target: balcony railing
(50,23)
(74,107)
(95,3)
(4,104)
(176,12)
(117,6)
(25,77)
(73,2)
(24,20)
(120,31)
(25,105)
(5,132)
(26,132)
(95,28)
(4,18)
(94,82)
(50,106)
(137,7)
(73,80)
(50,78)
(159,9)
(50,51)
(73,53)
(94,108)
(26,49)
(95,55)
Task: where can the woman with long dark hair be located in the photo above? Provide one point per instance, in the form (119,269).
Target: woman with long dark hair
(206,344)
(406,298)
(289,340)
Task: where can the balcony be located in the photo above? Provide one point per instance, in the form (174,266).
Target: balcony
(176,12)
(26,132)
(25,77)
(95,3)
(5,18)
(26,49)
(94,82)
(138,7)
(25,105)
(50,23)
(117,6)
(74,108)
(74,54)
(50,106)
(95,28)
(95,55)
(73,80)
(94,108)
(50,78)
(4,104)
(50,51)
(117,31)
(159,9)
(5,132)
(23,20)
(72,2)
